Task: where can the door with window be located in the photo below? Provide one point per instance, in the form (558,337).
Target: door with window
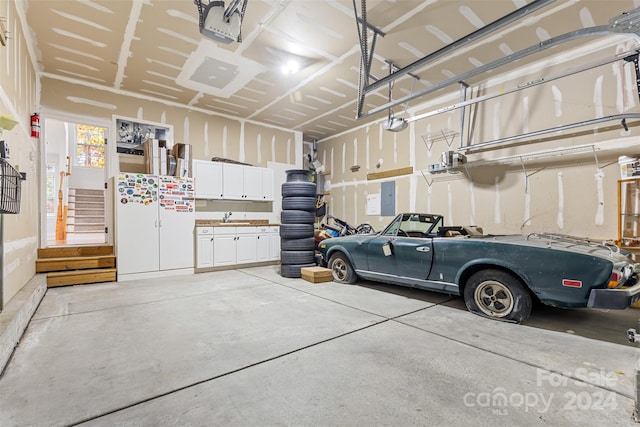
(75,183)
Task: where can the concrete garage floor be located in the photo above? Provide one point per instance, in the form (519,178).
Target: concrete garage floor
(250,348)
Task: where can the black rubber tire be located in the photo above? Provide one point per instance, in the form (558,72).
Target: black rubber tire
(304,244)
(296,231)
(300,188)
(293,271)
(302,203)
(297,217)
(341,269)
(498,295)
(303,175)
(297,257)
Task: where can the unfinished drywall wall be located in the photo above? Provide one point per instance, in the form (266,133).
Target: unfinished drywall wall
(209,135)
(573,192)
(18,93)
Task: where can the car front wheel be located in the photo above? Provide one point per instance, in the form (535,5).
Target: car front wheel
(341,269)
(497,294)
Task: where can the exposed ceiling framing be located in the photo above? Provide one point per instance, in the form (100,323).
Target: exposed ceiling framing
(153,49)
(626,23)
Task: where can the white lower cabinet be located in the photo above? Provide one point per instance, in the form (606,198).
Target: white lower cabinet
(204,247)
(246,243)
(262,244)
(234,245)
(226,245)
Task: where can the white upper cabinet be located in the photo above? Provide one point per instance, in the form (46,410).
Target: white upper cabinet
(230,181)
(208,179)
(267,184)
(252,183)
(233,181)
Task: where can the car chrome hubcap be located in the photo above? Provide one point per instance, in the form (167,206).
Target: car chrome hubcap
(494,299)
(339,269)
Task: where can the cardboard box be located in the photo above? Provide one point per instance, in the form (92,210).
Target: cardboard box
(182,152)
(316,274)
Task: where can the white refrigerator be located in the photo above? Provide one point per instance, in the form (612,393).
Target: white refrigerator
(155,219)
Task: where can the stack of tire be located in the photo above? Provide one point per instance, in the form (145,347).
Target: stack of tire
(297,241)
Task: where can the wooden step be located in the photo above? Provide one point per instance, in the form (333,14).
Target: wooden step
(87,196)
(96,227)
(75,263)
(80,277)
(95,203)
(86,191)
(70,251)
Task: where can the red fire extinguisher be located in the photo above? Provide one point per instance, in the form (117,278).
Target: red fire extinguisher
(35,125)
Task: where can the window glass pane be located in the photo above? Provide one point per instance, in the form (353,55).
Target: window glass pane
(90,146)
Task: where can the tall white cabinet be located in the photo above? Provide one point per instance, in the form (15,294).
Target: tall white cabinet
(155,218)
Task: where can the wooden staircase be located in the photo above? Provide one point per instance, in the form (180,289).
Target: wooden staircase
(77,265)
(85,212)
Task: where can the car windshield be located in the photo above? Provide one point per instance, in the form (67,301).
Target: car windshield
(414,225)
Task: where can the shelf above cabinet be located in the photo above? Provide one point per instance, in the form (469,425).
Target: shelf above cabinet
(629,214)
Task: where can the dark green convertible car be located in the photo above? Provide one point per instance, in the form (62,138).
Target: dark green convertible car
(498,276)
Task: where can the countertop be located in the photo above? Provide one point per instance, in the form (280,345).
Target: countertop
(236,223)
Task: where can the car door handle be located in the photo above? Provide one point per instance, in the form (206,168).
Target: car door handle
(423,249)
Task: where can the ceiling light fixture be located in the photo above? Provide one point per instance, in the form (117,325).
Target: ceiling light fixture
(219,23)
(290,67)
(287,61)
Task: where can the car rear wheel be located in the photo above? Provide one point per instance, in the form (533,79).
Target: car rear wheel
(341,269)
(497,294)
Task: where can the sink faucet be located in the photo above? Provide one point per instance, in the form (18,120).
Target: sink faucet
(226,217)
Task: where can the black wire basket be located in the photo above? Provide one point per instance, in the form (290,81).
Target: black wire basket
(9,188)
